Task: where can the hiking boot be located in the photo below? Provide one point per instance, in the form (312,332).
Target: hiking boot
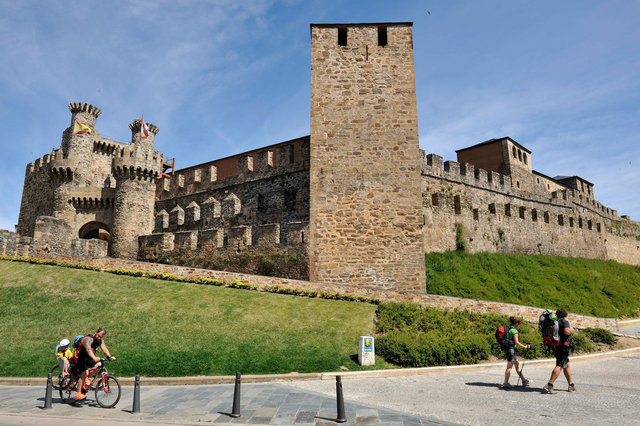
(505,386)
(525,382)
(572,388)
(549,388)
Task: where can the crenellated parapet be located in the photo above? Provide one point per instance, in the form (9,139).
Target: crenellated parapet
(465,173)
(62,168)
(40,165)
(107,147)
(234,239)
(129,162)
(471,176)
(281,159)
(135,126)
(77,107)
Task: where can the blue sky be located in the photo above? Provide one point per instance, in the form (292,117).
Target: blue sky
(223,77)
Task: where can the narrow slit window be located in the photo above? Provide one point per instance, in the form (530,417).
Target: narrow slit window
(382,35)
(342,36)
(456,204)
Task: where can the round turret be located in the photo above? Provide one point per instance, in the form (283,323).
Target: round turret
(136,168)
(146,144)
(77,139)
(84,113)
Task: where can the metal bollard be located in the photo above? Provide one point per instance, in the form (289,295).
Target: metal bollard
(235,412)
(341,415)
(136,395)
(48,392)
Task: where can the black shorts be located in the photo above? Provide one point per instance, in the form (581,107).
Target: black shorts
(84,363)
(562,356)
(511,354)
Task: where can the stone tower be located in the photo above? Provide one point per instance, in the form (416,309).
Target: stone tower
(71,165)
(365,196)
(136,168)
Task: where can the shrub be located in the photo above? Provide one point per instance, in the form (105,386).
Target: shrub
(600,335)
(461,244)
(414,349)
(581,343)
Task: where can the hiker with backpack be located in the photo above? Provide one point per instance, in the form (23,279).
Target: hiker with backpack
(562,346)
(507,337)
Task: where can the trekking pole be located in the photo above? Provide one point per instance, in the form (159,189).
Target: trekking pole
(524,359)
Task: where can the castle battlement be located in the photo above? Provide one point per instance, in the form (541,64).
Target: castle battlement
(233,239)
(280,159)
(468,174)
(130,161)
(107,147)
(77,107)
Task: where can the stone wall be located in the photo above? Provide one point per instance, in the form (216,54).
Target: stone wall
(37,195)
(529,313)
(13,244)
(259,205)
(365,217)
(496,217)
(46,245)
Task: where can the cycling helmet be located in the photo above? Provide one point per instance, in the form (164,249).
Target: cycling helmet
(64,342)
(77,339)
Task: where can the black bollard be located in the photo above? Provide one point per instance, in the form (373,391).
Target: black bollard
(235,412)
(136,395)
(48,392)
(341,416)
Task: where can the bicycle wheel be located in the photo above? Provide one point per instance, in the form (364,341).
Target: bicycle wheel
(108,392)
(56,376)
(67,391)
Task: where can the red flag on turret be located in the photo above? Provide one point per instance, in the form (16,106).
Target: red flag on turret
(144,129)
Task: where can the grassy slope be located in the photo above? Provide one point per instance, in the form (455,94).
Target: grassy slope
(167,328)
(584,286)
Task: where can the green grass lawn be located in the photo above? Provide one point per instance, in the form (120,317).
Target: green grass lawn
(163,328)
(584,286)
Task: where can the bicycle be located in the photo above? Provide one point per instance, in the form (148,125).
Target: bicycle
(56,376)
(107,387)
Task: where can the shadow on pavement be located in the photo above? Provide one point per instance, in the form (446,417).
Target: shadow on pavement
(511,389)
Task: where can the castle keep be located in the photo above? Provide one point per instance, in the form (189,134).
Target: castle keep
(354,202)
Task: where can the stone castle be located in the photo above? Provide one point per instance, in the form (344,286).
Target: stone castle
(355,202)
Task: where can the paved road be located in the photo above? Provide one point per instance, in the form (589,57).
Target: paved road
(608,392)
(631,328)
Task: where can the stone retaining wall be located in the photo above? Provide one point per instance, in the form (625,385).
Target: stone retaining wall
(528,313)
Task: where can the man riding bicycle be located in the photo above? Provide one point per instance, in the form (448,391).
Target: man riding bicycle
(86,359)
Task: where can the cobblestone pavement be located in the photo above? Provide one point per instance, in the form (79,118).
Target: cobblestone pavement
(272,403)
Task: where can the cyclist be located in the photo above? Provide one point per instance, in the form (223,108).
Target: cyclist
(86,359)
